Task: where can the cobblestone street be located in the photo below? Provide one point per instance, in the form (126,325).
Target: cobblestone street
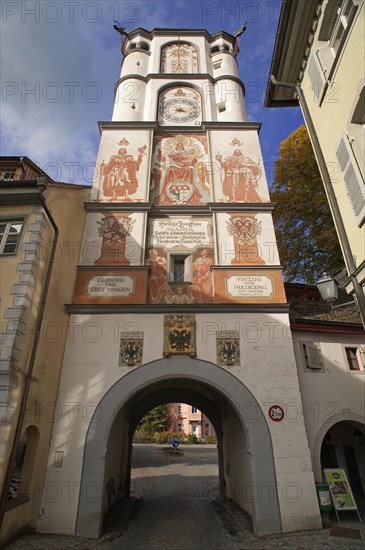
(175,504)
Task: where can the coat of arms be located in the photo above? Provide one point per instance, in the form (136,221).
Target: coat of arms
(179,335)
(228,348)
(131,349)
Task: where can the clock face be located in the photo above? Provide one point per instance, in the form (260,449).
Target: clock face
(179,110)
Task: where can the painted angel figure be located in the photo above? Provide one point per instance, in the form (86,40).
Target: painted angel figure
(168,296)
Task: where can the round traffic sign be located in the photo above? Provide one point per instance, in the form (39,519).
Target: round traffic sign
(276,413)
(175,443)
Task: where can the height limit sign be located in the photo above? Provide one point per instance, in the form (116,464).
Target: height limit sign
(276,413)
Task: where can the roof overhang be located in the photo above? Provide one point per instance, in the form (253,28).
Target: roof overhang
(295,25)
(20,193)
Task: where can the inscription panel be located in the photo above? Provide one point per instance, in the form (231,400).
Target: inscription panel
(243,286)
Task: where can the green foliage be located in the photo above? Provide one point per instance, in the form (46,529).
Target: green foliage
(161,437)
(210,439)
(306,236)
(176,435)
(141,436)
(157,420)
(192,439)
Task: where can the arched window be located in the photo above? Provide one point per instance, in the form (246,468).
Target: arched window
(143,45)
(179,57)
(214,49)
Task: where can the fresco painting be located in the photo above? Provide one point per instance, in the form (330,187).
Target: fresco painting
(179,171)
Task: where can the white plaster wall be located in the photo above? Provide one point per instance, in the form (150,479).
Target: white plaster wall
(267,369)
(129,100)
(332,394)
(136,62)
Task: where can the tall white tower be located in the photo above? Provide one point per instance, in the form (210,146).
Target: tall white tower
(179,294)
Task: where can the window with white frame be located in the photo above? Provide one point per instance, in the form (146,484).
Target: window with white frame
(344,14)
(10,233)
(312,356)
(7,176)
(178,409)
(194,410)
(355,356)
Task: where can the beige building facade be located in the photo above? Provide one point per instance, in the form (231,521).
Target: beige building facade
(320,48)
(189,420)
(31,351)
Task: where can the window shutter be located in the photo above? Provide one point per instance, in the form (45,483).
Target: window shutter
(314,356)
(361,355)
(317,78)
(352,177)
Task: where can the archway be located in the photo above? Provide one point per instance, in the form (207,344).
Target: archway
(245,450)
(343,446)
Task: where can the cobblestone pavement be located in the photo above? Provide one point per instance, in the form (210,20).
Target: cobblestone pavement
(175,504)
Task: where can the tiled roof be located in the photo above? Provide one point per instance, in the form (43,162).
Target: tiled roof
(319,311)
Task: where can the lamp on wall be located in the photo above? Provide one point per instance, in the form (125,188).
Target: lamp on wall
(328,288)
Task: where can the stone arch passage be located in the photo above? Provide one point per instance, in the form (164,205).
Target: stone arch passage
(244,448)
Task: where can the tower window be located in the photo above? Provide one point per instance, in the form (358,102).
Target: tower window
(214,49)
(221,107)
(179,268)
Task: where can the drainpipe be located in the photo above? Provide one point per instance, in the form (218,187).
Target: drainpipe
(342,235)
(28,380)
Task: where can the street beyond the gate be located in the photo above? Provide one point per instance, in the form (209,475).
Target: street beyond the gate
(175,504)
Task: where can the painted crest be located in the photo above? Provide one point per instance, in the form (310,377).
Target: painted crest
(179,335)
(179,192)
(228,348)
(131,349)
(244,229)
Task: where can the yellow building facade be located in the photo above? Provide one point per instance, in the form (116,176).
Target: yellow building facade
(320,50)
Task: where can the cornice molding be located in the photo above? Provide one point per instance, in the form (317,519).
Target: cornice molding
(104,309)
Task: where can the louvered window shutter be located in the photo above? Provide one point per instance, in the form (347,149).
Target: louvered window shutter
(352,177)
(317,78)
(313,356)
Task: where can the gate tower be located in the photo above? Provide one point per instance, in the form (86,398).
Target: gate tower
(179,294)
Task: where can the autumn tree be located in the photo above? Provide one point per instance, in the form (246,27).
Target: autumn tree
(306,236)
(157,420)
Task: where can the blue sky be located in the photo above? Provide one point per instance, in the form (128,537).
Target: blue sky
(60,60)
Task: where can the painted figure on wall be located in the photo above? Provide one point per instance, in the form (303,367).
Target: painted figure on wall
(202,274)
(158,275)
(241,177)
(183,294)
(114,229)
(179,172)
(119,175)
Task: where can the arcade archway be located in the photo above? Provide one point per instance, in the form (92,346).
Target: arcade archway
(246,462)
